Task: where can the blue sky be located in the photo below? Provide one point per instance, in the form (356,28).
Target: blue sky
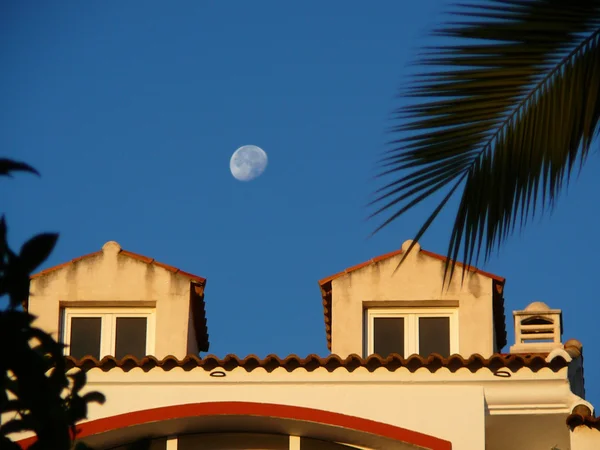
(132,110)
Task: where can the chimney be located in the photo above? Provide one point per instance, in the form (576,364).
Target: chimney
(538,329)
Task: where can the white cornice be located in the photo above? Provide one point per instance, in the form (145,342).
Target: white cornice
(530,397)
(521,392)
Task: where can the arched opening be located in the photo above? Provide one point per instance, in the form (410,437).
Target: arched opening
(310,429)
(242,441)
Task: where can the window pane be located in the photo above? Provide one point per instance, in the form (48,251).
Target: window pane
(85,337)
(388,335)
(434,336)
(131,337)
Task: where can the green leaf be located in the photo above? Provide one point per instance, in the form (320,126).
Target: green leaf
(95,397)
(36,250)
(17,426)
(7,166)
(12,386)
(79,379)
(77,409)
(7,444)
(13,405)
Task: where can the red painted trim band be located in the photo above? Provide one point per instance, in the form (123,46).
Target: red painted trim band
(256,409)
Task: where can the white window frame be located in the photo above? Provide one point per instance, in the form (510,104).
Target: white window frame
(108,327)
(411,326)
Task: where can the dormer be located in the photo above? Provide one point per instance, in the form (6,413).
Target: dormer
(372,308)
(538,329)
(119,303)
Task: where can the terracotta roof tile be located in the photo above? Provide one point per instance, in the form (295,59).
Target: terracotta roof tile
(181,272)
(578,420)
(167,267)
(137,256)
(535,362)
(74,260)
(198,312)
(499,318)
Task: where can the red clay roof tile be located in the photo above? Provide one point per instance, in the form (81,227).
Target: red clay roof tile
(137,256)
(534,361)
(578,420)
(167,267)
(399,252)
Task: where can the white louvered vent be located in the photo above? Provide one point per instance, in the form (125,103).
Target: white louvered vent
(537,329)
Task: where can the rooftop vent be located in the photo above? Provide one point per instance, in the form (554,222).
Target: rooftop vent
(538,329)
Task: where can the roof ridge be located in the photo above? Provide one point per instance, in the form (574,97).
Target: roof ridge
(137,256)
(388,255)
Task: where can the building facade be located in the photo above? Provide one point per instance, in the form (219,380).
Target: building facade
(414,364)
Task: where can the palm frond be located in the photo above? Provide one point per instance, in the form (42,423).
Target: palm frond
(508,108)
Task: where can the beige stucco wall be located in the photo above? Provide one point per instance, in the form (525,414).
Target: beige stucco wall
(584,438)
(451,406)
(111,279)
(423,408)
(473,411)
(418,282)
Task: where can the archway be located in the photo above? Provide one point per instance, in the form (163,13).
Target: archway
(246,417)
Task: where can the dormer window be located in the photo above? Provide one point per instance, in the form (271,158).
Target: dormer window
(99,332)
(409,331)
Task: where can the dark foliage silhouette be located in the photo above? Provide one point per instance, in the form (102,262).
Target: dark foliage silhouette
(505,111)
(37,393)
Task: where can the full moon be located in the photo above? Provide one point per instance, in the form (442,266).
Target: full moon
(248,162)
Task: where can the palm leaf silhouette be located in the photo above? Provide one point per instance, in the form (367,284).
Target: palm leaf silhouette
(507,112)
